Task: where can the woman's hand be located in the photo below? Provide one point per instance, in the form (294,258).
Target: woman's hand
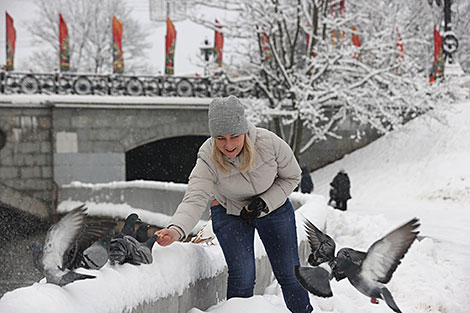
(167,236)
(251,211)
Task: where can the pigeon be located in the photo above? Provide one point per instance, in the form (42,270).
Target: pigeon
(97,255)
(323,250)
(83,251)
(129,250)
(142,232)
(367,271)
(64,243)
(128,228)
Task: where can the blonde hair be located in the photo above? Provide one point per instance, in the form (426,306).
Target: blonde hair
(247,156)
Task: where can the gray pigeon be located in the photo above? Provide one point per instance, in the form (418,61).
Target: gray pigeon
(323,250)
(54,259)
(95,256)
(129,250)
(367,271)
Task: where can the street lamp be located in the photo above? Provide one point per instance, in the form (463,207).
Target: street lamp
(449,40)
(206,51)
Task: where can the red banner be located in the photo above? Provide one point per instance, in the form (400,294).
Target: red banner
(337,34)
(438,65)
(437,44)
(334,11)
(356,41)
(64,51)
(264,40)
(355,37)
(170,43)
(401,53)
(10,42)
(118,59)
(218,44)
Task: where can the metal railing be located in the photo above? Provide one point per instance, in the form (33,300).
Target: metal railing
(123,85)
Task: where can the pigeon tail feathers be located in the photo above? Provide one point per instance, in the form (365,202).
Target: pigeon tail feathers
(70,277)
(389,299)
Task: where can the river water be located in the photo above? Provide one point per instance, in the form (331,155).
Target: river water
(17,230)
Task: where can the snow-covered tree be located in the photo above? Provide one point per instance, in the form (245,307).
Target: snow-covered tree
(89,25)
(313,74)
(461,27)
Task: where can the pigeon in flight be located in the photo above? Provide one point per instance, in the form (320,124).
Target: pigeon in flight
(64,243)
(367,271)
(129,250)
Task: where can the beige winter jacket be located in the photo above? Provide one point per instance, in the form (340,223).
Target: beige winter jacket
(274,176)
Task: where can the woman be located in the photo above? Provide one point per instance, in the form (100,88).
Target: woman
(248,172)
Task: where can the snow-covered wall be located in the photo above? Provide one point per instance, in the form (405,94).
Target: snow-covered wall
(182,276)
(159,197)
(123,197)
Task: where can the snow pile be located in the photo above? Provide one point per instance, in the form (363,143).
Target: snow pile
(130,184)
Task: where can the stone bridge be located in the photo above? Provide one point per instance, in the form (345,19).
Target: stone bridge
(47,141)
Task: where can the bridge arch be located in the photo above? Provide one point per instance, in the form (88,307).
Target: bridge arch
(167,159)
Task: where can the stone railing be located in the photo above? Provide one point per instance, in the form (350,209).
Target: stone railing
(131,85)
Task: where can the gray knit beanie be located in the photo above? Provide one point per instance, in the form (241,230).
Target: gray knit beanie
(227,116)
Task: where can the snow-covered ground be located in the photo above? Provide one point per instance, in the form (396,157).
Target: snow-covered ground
(421,170)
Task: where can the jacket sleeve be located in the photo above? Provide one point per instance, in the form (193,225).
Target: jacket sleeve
(196,197)
(288,175)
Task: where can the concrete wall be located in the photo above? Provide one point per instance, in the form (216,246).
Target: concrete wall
(47,141)
(89,167)
(91,141)
(155,199)
(26,158)
(209,291)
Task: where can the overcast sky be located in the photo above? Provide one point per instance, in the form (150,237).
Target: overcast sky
(189,36)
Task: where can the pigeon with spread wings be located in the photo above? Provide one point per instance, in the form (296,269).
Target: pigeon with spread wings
(367,271)
(55,259)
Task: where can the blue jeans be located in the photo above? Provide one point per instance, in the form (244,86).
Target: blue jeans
(277,231)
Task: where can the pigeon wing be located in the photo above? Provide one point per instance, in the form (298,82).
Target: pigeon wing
(314,279)
(145,249)
(61,236)
(118,251)
(385,254)
(89,233)
(322,245)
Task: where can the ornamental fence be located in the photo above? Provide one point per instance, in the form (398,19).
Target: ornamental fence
(124,85)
